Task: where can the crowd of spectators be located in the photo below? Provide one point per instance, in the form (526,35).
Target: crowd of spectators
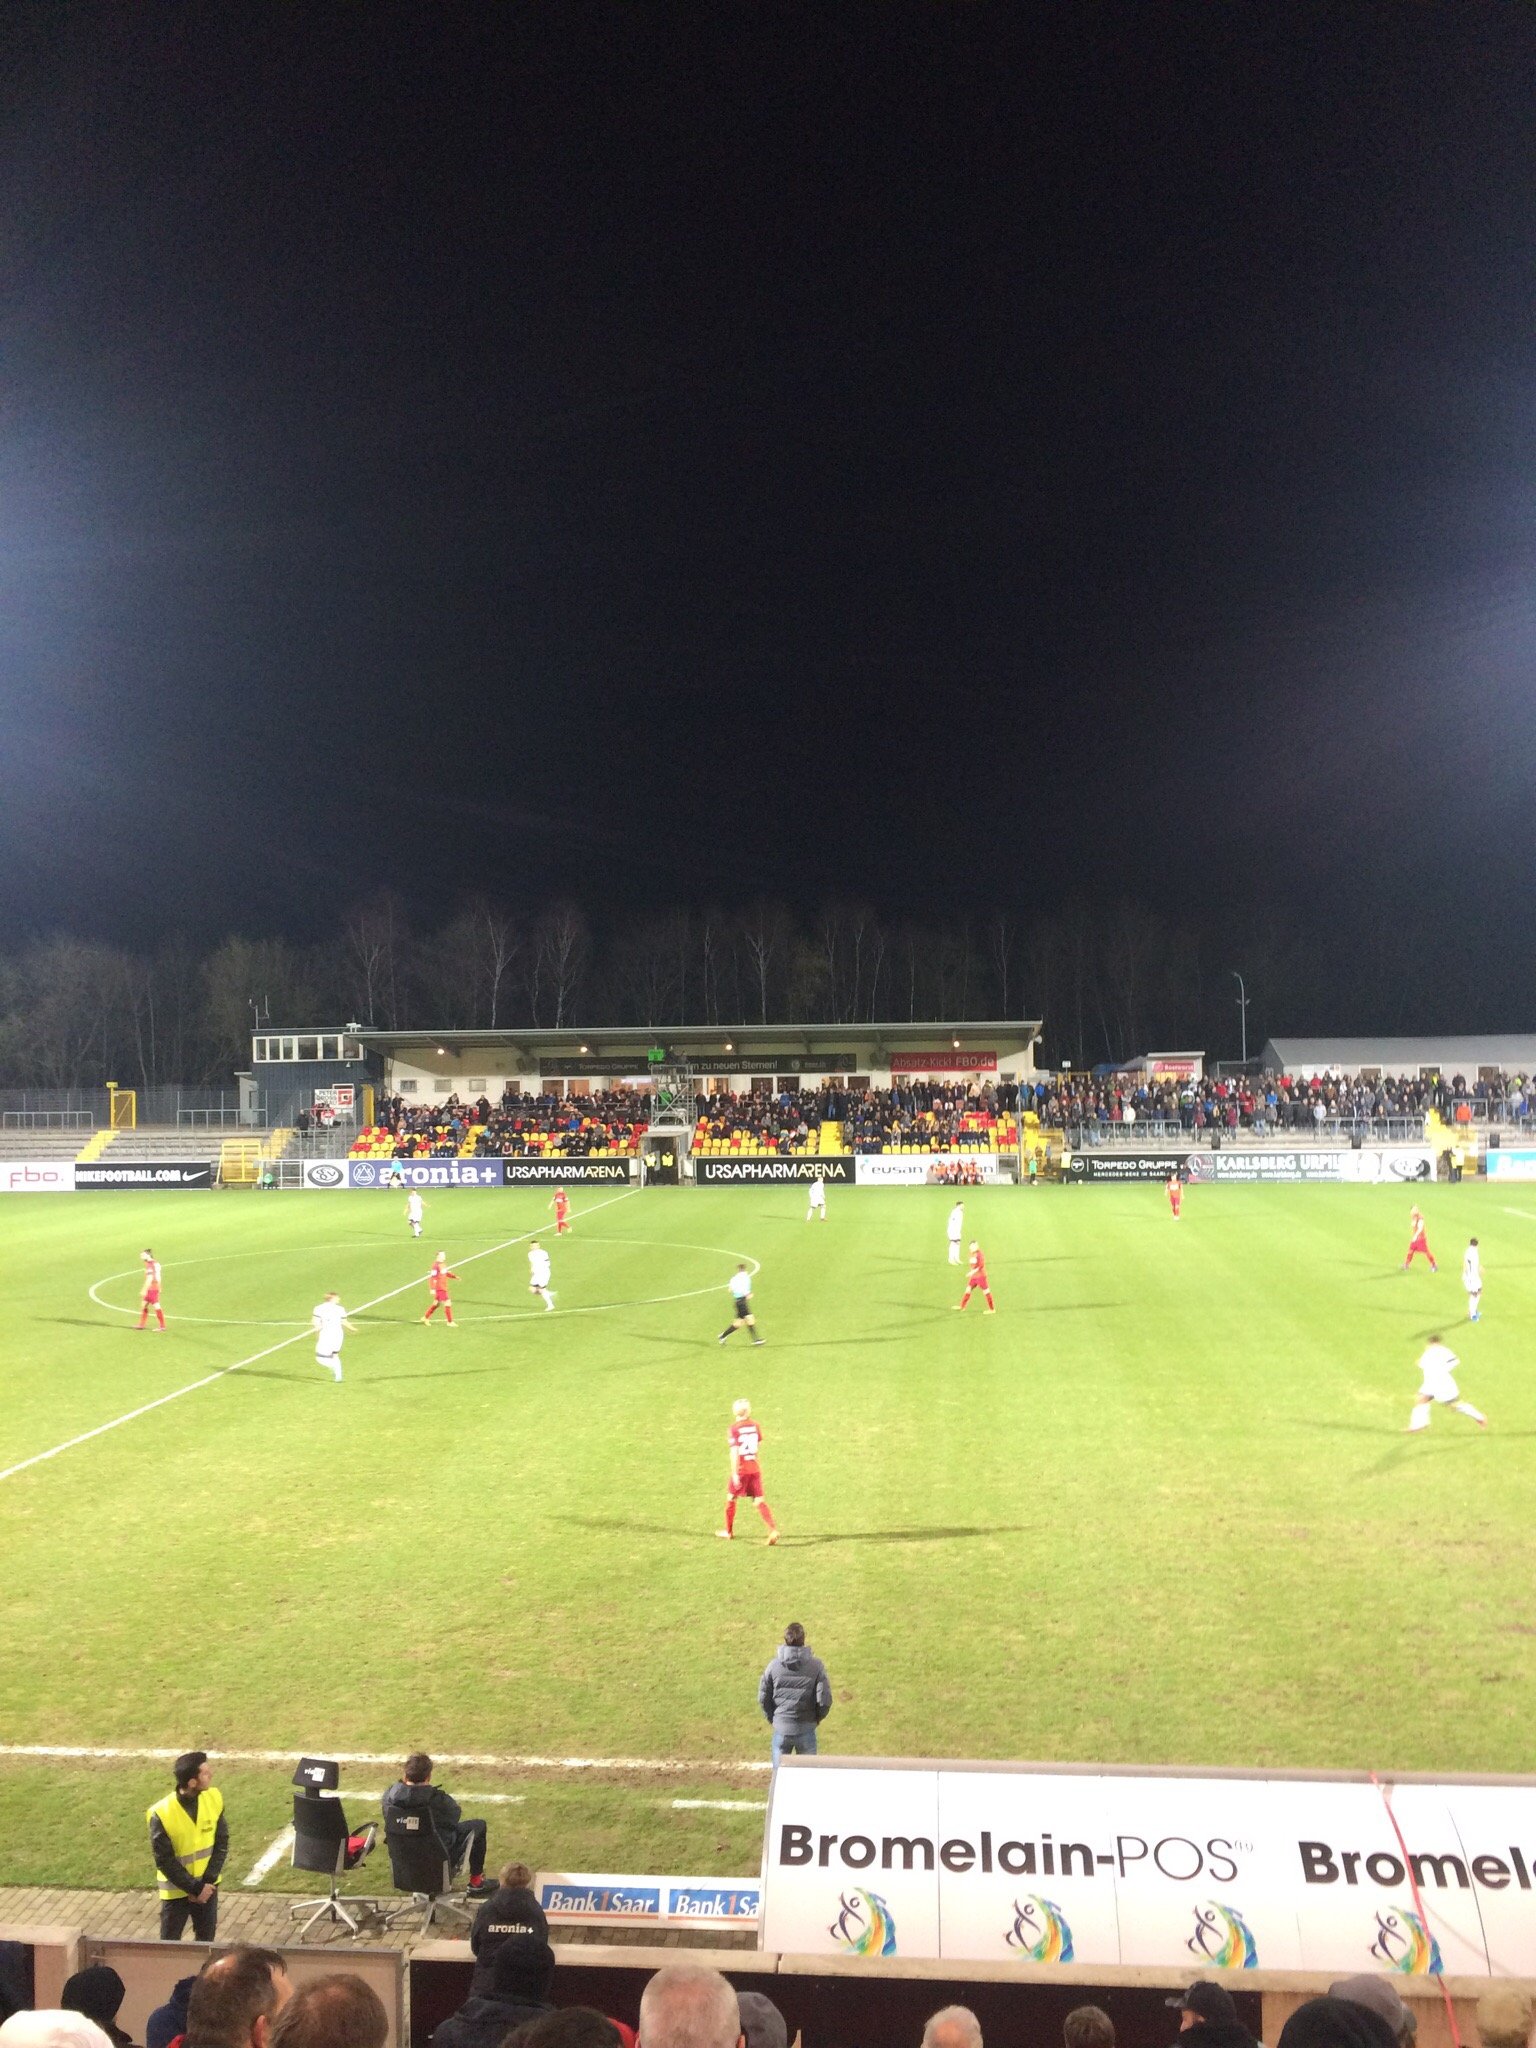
(572,1126)
(950,1116)
(1269,1104)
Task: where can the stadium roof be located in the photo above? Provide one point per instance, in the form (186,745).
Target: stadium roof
(703,1039)
(1510,1050)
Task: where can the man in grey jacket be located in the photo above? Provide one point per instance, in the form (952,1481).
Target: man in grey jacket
(795,1696)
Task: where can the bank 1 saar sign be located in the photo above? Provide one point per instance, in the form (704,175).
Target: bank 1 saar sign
(1001,1864)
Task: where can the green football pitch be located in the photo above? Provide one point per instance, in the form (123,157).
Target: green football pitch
(1160,1507)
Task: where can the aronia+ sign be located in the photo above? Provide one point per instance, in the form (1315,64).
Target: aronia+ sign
(1008,1863)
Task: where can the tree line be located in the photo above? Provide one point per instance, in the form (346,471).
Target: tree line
(1110,981)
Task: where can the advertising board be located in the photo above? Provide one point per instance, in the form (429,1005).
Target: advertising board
(1008,1864)
(702,1901)
(1509,1162)
(422,1173)
(766,1172)
(145,1173)
(885,1170)
(1123,1166)
(548,1173)
(466,1173)
(1372,1163)
(36,1176)
(947,1060)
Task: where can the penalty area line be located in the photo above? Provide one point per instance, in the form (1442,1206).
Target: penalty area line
(283,1343)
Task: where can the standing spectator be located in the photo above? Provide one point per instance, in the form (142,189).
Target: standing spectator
(414,1793)
(570,2026)
(237,1998)
(189,1840)
(1210,2014)
(687,2006)
(953,2026)
(341,2011)
(510,1909)
(1335,2023)
(795,1695)
(1377,1995)
(1088,2026)
(98,1992)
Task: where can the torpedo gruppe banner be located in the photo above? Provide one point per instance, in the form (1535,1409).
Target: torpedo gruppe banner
(1002,1863)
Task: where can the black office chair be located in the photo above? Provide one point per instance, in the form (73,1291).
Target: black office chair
(323,1841)
(418,1865)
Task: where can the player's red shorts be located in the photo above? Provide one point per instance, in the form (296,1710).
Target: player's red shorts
(1419,1243)
(748,1485)
(439,1293)
(151,1295)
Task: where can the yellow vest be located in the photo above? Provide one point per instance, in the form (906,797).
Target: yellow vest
(191,1839)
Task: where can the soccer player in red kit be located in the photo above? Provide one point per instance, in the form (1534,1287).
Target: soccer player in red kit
(976,1281)
(149,1293)
(437,1287)
(746,1473)
(1418,1242)
(562,1208)
(1175,1193)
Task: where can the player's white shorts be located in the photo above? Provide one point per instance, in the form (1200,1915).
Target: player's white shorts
(328,1357)
(818,1201)
(1439,1387)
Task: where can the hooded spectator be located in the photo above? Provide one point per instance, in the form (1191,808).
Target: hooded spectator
(168,2022)
(1379,1996)
(573,2026)
(1210,2016)
(521,1972)
(1503,2017)
(761,2021)
(98,1992)
(510,1910)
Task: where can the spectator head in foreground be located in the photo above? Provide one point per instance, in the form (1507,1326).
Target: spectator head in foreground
(1336,2023)
(762,2024)
(1503,2017)
(1204,2004)
(953,2026)
(1377,1995)
(340,2011)
(573,2026)
(236,1999)
(687,2006)
(98,1993)
(1088,2026)
(51,2027)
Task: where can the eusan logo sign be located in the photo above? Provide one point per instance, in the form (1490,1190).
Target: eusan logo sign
(1151,1869)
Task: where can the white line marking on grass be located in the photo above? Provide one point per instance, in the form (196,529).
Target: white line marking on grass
(721,1805)
(270,1857)
(223,1372)
(474,1758)
(1526,1214)
(516,1315)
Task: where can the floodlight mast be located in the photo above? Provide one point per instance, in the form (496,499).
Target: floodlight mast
(1242,1004)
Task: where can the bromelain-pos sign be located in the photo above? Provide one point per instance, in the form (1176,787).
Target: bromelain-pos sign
(1223,1872)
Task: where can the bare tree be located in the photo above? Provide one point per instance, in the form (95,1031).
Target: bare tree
(1003,940)
(765,932)
(564,944)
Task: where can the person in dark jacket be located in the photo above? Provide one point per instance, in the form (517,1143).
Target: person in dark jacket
(521,1972)
(511,1909)
(795,1696)
(1210,2018)
(168,2022)
(1335,2023)
(98,1992)
(414,1792)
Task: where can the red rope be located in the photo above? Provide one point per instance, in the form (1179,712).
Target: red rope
(1418,1903)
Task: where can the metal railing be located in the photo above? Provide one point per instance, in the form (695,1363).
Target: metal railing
(47,1120)
(221,1119)
(1164,1131)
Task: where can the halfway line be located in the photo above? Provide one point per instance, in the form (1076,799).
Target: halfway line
(101,1429)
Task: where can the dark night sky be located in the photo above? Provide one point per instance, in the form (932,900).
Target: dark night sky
(939,454)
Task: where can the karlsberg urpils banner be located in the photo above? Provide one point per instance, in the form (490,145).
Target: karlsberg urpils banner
(999,1863)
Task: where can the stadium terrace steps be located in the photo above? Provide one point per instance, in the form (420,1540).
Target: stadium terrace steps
(95,1145)
(30,1144)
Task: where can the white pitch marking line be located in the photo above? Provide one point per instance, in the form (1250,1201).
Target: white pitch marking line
(270,1857)
(721,1805)
(193,1386)
(479,1759)
(1525,1214)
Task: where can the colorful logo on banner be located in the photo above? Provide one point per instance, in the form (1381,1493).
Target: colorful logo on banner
(1040,1932)
(864,1925)
(1406,1945)
(1223,1938)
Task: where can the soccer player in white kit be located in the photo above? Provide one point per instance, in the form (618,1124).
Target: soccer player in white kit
(414,1211)
(331,1325)
(1437,1382)
(1472,1280)
(538,1273)
(955,1230)
(817,1199)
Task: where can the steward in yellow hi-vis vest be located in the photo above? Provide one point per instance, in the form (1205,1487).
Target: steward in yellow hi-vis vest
(189,1840)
